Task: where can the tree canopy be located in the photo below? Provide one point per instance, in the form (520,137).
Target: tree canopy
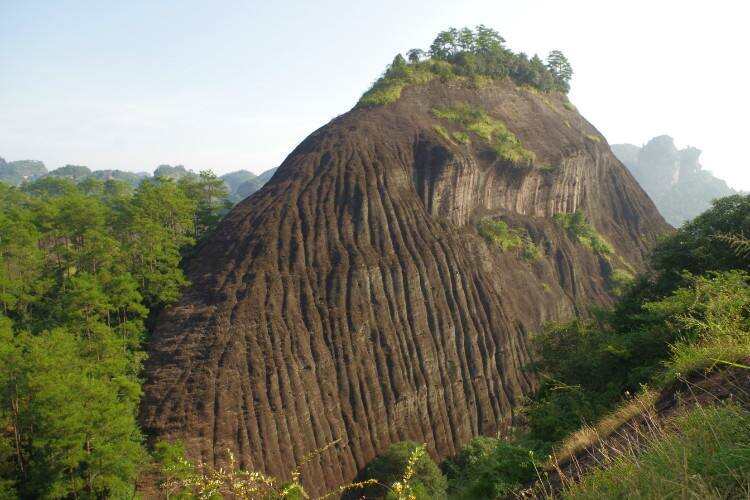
(470,53)
(83,267)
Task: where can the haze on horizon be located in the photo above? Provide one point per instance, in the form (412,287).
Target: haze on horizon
(237,85)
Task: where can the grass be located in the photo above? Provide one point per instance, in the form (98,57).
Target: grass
(577,225)
(490,130)
(706,354)
(497,232)
(619,280)
(704,453)
(443,133)
(461,137)
(593,137)
(541,95)
(388,88)
(568,105)
(588,436)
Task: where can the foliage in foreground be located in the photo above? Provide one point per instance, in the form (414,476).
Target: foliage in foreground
(702,454)
(489,468)
(405,470)
(689,314)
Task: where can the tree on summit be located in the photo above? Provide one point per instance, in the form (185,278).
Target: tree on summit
(488,40)
(445,44)
(415,55)
(561,69)
(466,41)
(473,55)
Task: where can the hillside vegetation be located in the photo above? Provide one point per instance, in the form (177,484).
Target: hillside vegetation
(470,56)
(83,270)
(689,316)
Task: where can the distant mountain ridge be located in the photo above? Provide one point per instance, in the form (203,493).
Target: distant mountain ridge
(240,183)
(674,179)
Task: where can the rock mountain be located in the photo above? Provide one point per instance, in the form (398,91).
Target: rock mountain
(240,184)
(351,300)
(673,178)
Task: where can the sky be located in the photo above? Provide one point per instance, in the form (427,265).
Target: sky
(236,85)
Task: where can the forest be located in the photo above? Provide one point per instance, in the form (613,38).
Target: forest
(85,269)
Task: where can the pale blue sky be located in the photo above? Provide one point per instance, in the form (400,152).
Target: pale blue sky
(229,85)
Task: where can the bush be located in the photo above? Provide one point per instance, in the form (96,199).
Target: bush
(461,137)
(588,365)
(593,137)
(577,226)
(497,232)
(424,479)
(489,468)
(710,318)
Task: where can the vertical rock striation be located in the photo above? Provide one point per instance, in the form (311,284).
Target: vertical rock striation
(352,300)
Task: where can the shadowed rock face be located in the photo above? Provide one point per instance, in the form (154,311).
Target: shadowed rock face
(352,300)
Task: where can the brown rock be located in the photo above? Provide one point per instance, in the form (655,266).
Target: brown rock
(352,299)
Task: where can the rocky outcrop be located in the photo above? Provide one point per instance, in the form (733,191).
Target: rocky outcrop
(16,173)
(673,178)
(351,300)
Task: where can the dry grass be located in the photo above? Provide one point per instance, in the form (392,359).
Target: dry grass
(588,436)
(699,448)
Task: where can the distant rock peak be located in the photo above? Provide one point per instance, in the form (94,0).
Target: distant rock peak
(673,178)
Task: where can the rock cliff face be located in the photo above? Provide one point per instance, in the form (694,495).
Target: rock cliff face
(351,299)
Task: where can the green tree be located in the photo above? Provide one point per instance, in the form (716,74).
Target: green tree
(82,267)
(156,226)
(20,256)
(465,40)
(445,44)
(398,68)
(489,468)
(487,40)
(561,70)
(427,482)
(415,55)
(210,192)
